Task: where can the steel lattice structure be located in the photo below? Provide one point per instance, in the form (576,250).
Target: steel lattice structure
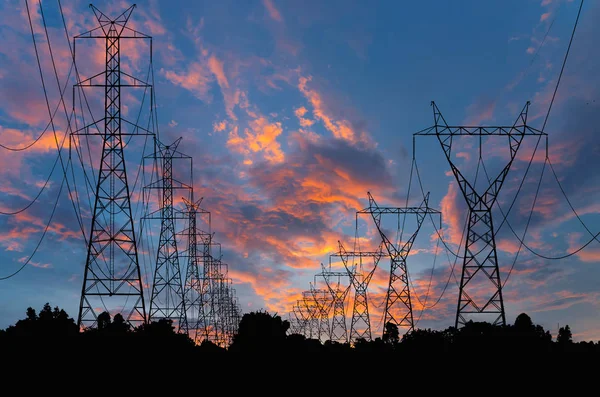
(112,272)
(193,323)
(480,258)
(360,326)
(398,306)
(167,298)
(311,315)
(338,328)
(209,295)
(323,301)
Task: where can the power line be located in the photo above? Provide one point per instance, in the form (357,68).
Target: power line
(431,216)
(37,139)
(42,236)
(563,65)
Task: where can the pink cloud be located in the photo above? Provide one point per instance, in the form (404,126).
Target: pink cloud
(480,111)
(196,79)
(341,129)
(451,214)
(272,10)
(216,67)
(544,16)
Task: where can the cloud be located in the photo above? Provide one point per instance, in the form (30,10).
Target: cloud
(272,10)
(544,16)
(196,79)
(452,214)
(260,137)
(219,126)
(480,111)
(341,129)
(216,67)
(304,122)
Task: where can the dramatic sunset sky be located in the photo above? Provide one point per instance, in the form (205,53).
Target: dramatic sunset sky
(292,111)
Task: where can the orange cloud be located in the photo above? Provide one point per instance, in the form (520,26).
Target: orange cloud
(451,214)
(544,16)
(219,126)
(17,138)
(261,137)
(272,10)
(341,129)
(300,112)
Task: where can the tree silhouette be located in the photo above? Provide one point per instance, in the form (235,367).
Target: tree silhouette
(564,335)
(260,331)
(391,333)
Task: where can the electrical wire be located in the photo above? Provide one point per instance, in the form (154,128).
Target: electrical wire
(437,246)
(563,65)
(41,237)
(431,216)
(37,139)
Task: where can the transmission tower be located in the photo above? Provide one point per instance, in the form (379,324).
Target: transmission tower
(338,329)
(112,278)
(302,315)
(398,306)
(480,261)
(194,321)
(167,299)
(360,326)
(312,315)
(323,301)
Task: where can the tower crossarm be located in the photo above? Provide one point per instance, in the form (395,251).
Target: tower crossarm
(352,271)
(445,134)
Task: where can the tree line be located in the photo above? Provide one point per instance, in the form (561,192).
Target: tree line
(52,331)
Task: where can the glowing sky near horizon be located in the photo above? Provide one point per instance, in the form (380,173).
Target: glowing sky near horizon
(293,110)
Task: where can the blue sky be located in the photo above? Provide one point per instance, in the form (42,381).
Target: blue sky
(292,111)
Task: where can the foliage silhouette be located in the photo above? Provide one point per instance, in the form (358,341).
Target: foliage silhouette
(391,333)
(53,333)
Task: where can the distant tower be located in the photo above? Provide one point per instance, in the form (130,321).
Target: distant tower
(398,306)
(193,323)
(112,280)
(323,301)
(167,301)
(360,326)
(339,292)
(480,272)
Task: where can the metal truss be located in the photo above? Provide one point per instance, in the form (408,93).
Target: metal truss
(338,292)
(167,299)
(112,277)
(398,306)
(360,326)
(312,315)
(480,262)
(197,253)
(323,301)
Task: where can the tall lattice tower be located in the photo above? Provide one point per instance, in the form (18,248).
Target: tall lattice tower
(398,306)
(112,280)
(360,325)
(167,299)
(323,301)
(339,292)
(480,294)
(193,322)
